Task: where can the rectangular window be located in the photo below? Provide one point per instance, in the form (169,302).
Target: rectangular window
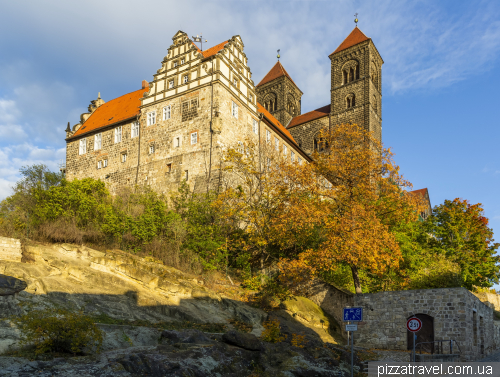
(187,175)
(235,82)
(268,136)
(250,97)
(151,149)
(169,168)
(285,150)
(182,61)
(167,112)
(97,142)
(99,164)
(177,142)
(300,161)
(292,156)
(175,64)
(268,162)
(276,144)
(118,134)
(151,118)
(83,146)
(171,84)
(255,127)
(235,110)
(240,147)
(194,138)
(186,79)
(134,132)
(104,163)
(124,157)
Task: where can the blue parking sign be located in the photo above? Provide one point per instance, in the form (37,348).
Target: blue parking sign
(353,314)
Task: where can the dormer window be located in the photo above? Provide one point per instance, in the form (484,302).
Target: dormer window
(182,61)
(175,64)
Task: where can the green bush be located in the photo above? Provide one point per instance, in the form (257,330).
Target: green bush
(58,330)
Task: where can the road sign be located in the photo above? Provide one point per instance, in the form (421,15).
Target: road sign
(414,324)
(351,327)
(353,314)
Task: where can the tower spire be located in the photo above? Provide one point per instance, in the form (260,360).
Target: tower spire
(356,19)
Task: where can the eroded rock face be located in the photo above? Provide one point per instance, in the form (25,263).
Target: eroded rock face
(194,353)
(10,285)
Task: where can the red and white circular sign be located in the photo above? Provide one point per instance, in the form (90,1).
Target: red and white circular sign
(413,324)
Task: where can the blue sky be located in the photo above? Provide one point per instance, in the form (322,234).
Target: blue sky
(440,83)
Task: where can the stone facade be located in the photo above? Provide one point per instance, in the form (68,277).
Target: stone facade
(10,249)
(198,104)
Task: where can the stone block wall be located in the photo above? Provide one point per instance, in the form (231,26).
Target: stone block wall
(10,249)
(305,133)
(456,312)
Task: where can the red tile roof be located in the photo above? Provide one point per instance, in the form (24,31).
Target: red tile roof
(212,50)
(277,71)
(352,39)
(114,111)
(420,192)
(275,121)
(311,115)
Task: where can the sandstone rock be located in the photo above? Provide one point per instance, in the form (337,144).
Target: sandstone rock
(10,285)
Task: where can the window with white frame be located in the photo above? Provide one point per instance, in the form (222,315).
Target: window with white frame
(177,142)
(118,134)
(186,78)
(104,163)
(97,142)
(250,97)
(268,162)
(276,144)
(300,161)
(268,136)
(175,64)
(292,156)
(235,110)
(194,138)
(255,126)
(99,164)
(151,118)
(240,147)
(151,149)
(182,61)
(235,82)
(167,112)
(285,150)
(171,84)
(83,146)
(134,132)
(124,157)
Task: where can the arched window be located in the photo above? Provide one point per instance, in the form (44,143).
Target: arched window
(350,101)
(357,72)
(320,144)
(351,74)
(344,74)
(375,104)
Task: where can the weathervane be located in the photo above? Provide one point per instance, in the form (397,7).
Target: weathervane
(356,19)
(278,55)
(199,39)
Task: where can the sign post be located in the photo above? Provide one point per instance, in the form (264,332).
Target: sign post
(414,324)
(352,315)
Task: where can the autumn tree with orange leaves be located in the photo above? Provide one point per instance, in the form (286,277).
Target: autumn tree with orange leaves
(354,192)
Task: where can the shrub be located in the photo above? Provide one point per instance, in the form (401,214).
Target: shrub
(272,332)
(59,331)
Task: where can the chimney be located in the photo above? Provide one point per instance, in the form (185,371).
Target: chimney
(145,84)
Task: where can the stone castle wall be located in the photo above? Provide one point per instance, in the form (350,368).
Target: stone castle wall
(457,315)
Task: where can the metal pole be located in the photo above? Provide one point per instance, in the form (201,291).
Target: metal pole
(414,336)
(352,354)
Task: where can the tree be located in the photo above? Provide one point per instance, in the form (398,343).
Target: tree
(354,192)
(461,234)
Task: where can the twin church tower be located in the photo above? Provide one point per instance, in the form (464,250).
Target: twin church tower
(355,95)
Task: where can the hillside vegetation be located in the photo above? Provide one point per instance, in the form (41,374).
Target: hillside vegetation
(346,218)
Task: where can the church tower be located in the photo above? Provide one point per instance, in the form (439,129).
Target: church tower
(356,83)
(279,94)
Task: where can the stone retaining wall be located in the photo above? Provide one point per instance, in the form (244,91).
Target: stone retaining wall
(10,249)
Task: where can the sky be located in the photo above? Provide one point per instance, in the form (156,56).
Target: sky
(440,99)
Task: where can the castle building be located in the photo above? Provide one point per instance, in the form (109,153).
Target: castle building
(176,127)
